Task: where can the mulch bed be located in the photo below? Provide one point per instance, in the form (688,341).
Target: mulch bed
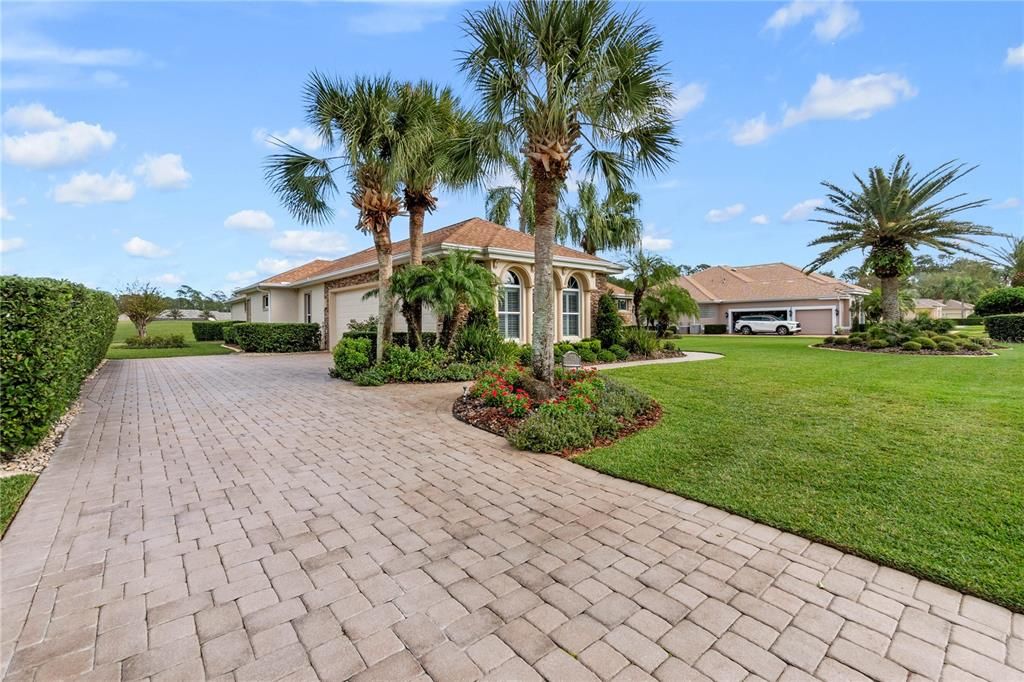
(633,357)
(892,350)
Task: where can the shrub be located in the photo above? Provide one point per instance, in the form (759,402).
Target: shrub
(623,401)
(972,320)
(460,371)
(925,324)
(277,337)
(715,329)
(983,341)
(925,342)
(553,431)
(1005,301)
(525,355)
(55,332)
(170,341)
(587,354)
(229,335)
(606,356)
(479,342)
(942,339)
(911,345)
(619,352)
(211,331)
(1005,327)
(368,325)
(840,340)
(640,341)
(351,356)
(829,340)
(878,343)
(370,377)
(947,346)
(970,345)
(607,323)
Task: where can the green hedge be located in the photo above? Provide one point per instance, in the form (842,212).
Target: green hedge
(211,331)
(149,341)
(715,328)
(229,334)
(1006,301)
(397,338)
(1005,327)
(972,320)
(277,337)
(54,333)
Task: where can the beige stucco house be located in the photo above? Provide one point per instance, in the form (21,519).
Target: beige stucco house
(941,310)
(821,304)
(331,293)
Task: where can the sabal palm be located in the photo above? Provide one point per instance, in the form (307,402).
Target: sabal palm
(559,78)
(455,285)
(358,120)
(604,224)
(1011,259)
(892,213)
(517,196)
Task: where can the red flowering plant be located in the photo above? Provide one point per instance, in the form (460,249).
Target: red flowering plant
(497,390)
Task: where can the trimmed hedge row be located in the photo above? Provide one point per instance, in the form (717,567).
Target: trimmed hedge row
(211,331)
(1005,301)
(55,332)
(715,328)
(276,337)
(972,320)
(1006,327)
(397,338)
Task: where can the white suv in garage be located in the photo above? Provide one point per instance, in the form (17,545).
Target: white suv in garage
(766,324)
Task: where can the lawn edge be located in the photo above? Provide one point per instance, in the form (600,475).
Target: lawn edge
(21,502)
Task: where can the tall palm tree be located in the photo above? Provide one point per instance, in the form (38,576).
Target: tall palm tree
(358,119)
(517,196)
(604,224)
(648,272)
(455,285)
(963,289)
(1010,259)
(893,213)
(566,77)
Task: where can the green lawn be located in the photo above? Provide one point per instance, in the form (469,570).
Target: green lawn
(118,351)
(13,490)
(914,462)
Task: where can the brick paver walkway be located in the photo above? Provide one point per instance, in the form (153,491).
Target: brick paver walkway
(249,518)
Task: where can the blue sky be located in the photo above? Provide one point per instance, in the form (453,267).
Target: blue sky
(133,133)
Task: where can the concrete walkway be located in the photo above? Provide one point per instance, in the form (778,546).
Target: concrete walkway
(248,518)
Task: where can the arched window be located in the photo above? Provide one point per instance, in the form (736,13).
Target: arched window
(571,308)
(510,307)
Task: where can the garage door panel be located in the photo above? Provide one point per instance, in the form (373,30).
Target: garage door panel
(815,321)
(349,305)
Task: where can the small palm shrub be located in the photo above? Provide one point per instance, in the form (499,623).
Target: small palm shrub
(639,341)
(911,345)
(478,342)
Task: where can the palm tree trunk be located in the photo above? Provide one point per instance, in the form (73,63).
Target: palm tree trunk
(456,322)
(417,212)
(385,304)
(638,297)
(415,334)
(546,207)
(891,299)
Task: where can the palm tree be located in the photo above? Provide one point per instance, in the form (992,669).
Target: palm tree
(648,272)
(604,224)
(518,196)
(892,214)
(557,78)
(871,305)
(1011,259)
(408,287)
(668,302)
(359,119)
(455,285)
(963,289)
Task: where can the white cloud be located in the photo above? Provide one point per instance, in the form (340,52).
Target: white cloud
(688,98)
(41,51)
(303,138)
(140,248)
(310,242)
(753,131)
(802,210)
(833,98)
(1015,56)
(12,244)
(93,188)
(652,239)
(49,141)
(163,172)
(397,18)
(721,215)
(170,279)
(834,19)
(1012,202)
(249,219)
(271,266)
(760,219)
(240,276)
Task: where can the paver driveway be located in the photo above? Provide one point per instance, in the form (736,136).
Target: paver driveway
(250,518)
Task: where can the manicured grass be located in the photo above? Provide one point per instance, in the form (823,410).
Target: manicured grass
(118,351)
(914,462)
(13,490)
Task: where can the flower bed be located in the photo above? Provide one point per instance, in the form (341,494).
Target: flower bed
(583,411)
(909,339)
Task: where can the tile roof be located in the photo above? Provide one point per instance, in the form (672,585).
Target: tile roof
(935,303)
(762,282)
(474,233)
(616,290)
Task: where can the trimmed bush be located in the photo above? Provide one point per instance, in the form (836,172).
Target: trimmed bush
(525,355)
(948,346)
(587,354)
(1005,327)
(911,345)
(550,431)
(351,356)
(925,342)
(972,320)
(841,341)
(370,377)
(1006,301)
(878,343)
(170,341)
(277,337)
(606,356)
(397,338)
(229,335)
(211,331)
(942,339)
(55,332)
(608,322)
(715,328)
(619,352)
(970,345)
(829,339)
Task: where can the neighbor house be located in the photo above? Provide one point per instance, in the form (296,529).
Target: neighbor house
(821,304)
(941,310)
(333,293)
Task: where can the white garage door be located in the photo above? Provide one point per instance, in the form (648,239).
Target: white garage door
(349,305)
(815,321)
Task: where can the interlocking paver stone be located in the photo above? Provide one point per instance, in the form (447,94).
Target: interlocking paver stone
(250,517)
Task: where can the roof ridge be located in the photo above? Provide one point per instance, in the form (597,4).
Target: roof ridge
(707,292)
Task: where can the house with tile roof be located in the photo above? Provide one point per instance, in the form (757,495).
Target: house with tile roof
(332,292)
(949,309)
(725,294)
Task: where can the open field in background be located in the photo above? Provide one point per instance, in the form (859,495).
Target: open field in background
(118,351)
